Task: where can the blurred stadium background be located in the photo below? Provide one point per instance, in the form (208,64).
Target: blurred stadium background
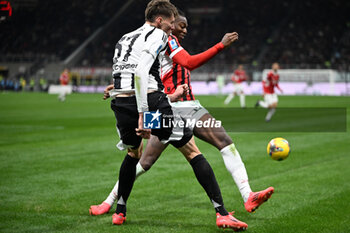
(41,38)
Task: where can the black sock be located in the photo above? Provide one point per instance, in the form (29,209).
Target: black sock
(206,178)
(127,175)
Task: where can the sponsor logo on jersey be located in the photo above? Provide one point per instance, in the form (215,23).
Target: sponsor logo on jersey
(123,67)
(173,44)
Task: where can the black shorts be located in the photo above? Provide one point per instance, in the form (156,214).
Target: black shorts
(126,114)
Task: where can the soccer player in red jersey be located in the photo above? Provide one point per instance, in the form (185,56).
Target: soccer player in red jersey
(64,80)
(237,78)
(269,82)
(175,72)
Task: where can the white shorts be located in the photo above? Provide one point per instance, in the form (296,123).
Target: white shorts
(238,88)
(270,99)
(189,109)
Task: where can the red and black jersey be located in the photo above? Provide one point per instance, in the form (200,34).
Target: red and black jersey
(270,81)
(177,64)
(179,75)
(64,78)
(174,74)
(239,76)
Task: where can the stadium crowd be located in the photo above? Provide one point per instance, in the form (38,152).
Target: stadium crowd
(299,32)
(51,29)
(312,35)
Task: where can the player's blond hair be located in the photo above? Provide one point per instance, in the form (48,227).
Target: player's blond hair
(159,8)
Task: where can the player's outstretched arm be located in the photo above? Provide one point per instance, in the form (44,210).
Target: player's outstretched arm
(229,38)
(192,62)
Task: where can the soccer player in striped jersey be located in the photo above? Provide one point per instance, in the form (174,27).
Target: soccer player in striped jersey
(269,82)
(237,78)
(176,71)
(137,89)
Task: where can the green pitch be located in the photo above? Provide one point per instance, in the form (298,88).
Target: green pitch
(59,158)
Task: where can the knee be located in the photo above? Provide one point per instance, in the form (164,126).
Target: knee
(221,140)
(274,105)
(146,165)
(225,141)
(191,156)
(136,152)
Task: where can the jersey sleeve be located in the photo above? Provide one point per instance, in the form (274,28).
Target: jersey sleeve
(191,62)
(173,46)
(155,42)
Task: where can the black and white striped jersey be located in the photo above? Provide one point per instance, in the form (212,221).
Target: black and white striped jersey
(127,56)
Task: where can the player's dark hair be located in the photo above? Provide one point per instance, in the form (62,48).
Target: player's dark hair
(159,8)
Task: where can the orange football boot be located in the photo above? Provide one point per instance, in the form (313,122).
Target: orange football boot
(229,221)
(99,209)
(257,198)
(118,219)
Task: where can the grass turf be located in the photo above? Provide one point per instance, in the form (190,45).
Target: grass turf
(59,158)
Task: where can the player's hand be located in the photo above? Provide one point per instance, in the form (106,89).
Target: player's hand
(229,38)
(140,131)
(106,91)
(181,91)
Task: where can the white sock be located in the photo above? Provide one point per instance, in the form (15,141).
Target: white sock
(237,169)
(229,98)
(112,197)
(270,114)
(263,104)
(139,170)
(242,100)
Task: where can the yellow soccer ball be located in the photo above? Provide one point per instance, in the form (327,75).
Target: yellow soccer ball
(278,149)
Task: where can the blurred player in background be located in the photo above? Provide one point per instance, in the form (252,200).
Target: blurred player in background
(269,82)
(220,82)
(177,66)
(238,77)
(64,81)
